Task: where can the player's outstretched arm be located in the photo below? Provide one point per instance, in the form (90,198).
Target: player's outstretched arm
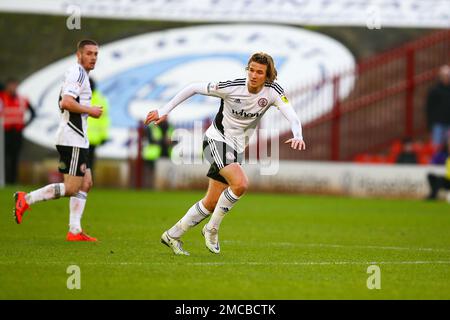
(160,114)
(70,104)
(296,142)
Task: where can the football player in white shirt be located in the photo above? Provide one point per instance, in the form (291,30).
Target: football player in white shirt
(243,103)
(71,143)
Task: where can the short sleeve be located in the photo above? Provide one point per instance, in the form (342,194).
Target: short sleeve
(214,90)
(223,88)
(279,97)
(72,83)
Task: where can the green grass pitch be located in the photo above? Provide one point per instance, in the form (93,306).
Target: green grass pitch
(273,247)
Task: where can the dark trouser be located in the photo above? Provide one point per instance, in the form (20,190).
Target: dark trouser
(437,183)
(149,173)
(91,159)
(13,144)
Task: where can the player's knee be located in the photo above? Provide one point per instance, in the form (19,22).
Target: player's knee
(240,188)
(87,186)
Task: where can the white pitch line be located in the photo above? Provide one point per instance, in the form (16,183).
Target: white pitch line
(330,245)
(249,263)
(318,263)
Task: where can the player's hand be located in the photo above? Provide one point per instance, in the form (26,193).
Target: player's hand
(154,116)
(95,112)
(296,144)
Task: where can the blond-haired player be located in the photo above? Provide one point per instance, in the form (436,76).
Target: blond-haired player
(243,103)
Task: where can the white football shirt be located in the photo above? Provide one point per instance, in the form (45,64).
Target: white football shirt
(72,130)
(240,111)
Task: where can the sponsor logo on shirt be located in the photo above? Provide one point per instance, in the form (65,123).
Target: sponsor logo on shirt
(244,114)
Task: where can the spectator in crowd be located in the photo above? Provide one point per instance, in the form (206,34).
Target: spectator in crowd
(159,145)
(438,182)
(438,107)
(407,155)
(98,133)
(440,156)
(14,109)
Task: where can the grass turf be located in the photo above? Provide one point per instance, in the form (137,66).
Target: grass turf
(273,247)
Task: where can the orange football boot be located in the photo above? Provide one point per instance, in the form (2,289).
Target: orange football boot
(80,237)
(21,206)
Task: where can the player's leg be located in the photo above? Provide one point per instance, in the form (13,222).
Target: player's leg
(226,168)
(446,184)
(77,205)
(24,200)
(197,213)
(69,157)
(200,210)
(215,189)
(73,166)
(435,182)
(78,200)
(238,184)
(52,191)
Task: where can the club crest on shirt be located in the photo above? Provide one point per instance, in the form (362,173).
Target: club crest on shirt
(262,102)
(62,165)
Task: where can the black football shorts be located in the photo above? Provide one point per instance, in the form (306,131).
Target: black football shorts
(73,160)
(219,155)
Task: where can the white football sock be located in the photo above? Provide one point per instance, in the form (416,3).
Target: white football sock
(194,216)
(77,204)
(49,192)
(226,201)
